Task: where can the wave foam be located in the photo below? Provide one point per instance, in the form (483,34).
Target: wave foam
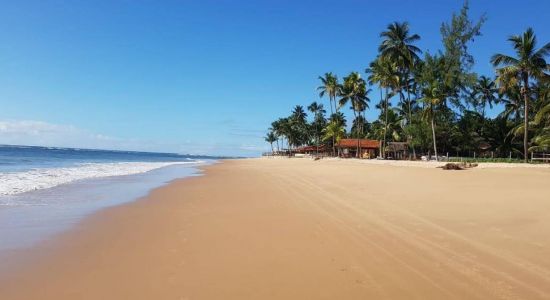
(19,182)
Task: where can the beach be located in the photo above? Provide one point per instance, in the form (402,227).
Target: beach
(304,229)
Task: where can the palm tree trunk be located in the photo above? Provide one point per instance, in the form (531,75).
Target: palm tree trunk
(526,117)
(317,138)
(289,149)
(317,145)
(385,124)
(410,115)
(361,130)
(333,140)
(481,133)
(433,137)
(357,134)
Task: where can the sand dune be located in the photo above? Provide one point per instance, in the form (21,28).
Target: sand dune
(299,229)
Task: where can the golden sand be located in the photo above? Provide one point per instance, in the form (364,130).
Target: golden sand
(303,229)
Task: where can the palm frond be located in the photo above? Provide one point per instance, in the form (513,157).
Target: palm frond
(544,112)
(502,59)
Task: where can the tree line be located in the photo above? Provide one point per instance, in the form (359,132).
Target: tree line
(434,102)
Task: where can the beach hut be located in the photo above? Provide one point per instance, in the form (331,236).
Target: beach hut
(397,150)
(368,148)
(312,150)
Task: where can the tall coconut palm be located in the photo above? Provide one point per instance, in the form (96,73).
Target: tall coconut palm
(297,126)
(271,138)
(432,97)
(528,64)
(395,124)
(354,90)
(510,96)
(359,127)
(331,88)
(541,121)
(299,114)
(317,109)
(334,131)
(485,94)
(541,140)
(318,112)
(384,73)
(277,127)
(398,46)
(285,131)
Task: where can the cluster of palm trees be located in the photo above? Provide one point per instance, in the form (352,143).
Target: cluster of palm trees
(434,102)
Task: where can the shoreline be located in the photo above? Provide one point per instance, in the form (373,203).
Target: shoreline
(297,229)
(29,218)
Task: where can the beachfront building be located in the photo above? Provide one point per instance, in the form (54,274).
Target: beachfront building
(368,148)
(319,150)
(397,150)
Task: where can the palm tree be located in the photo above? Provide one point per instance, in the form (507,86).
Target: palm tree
(271,138)
(318,111)
(299,114)
(285,131)
(397,46)
(529,64)
(277,128)
(432,98)
(354,90)
(384,73)
(542,138)
(297,127)
(541,121)
(330,87)
(340,119)
(394,126)
(359,127)
(510,96)
(335,130)
(485,94)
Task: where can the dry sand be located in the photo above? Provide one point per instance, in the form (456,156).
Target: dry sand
(299,229)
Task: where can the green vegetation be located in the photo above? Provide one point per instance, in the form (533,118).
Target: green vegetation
(434,101)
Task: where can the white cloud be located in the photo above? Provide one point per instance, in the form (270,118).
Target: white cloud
(32,128)
(30,132)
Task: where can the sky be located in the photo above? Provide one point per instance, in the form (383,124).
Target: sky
(203,77)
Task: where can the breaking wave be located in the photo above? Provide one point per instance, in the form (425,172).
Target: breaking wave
(12,183)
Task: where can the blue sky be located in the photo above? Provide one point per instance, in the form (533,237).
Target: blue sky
(201,77)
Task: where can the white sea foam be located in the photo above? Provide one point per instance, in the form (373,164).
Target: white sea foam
(12,183)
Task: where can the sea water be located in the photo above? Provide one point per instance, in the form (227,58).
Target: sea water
(44,191)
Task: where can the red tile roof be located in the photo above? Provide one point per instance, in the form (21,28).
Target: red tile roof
(364,143)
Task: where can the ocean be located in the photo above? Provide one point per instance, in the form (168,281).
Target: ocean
(44,191)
